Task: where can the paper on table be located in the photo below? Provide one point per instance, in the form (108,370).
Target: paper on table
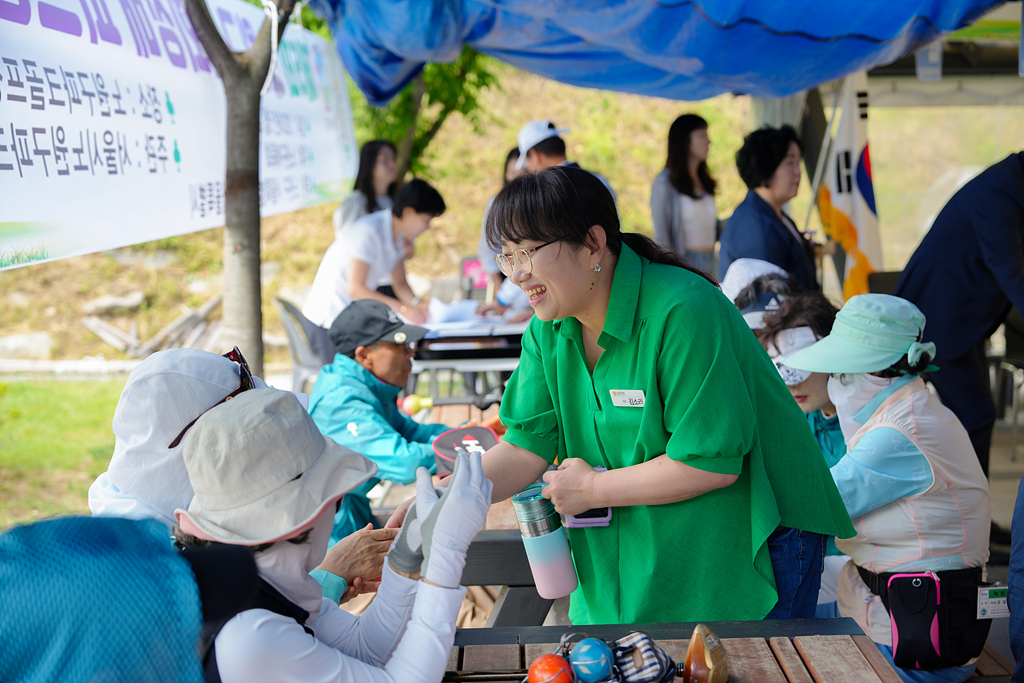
(455,312)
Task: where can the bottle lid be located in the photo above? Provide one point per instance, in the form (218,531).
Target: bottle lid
(535,513)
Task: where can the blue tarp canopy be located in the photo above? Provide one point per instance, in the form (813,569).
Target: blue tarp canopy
(678,49)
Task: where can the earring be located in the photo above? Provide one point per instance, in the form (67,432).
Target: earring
(597,267)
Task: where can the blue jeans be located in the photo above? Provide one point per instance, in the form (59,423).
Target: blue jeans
(1015,580)
(797,557)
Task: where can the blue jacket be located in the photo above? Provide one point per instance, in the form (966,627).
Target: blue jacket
(755,231)
(357,410)
(969,268)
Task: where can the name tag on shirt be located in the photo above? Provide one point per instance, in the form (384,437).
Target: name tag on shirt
(627,398)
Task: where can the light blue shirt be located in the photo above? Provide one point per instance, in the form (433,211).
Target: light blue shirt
(884,466)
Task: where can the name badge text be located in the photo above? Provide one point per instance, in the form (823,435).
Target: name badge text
(627,398)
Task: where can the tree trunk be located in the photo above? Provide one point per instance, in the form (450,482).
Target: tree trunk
(404,157)
(242,74)
(243,312)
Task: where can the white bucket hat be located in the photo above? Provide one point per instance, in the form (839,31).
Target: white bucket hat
(163,394)
(262,472)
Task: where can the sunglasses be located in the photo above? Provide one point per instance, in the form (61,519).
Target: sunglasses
(246,383)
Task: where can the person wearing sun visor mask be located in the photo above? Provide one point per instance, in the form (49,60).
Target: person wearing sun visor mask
(911,483)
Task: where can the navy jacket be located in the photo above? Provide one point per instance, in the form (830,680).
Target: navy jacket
(969,268)
(756,231)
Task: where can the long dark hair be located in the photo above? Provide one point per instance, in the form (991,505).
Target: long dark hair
(364,178)
(678,163)
(561,203)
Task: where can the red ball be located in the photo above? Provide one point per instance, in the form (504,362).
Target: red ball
(550,669)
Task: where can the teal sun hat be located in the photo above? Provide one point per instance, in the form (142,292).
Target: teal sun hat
(871,333)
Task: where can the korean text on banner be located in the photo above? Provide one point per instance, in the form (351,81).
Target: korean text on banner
(846,200)
(112,124)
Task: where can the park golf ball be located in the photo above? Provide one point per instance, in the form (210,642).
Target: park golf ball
(591,660)
(550,669)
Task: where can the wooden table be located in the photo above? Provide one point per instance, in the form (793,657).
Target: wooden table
(779,651)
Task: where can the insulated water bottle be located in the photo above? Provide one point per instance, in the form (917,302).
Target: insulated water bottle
(547,547)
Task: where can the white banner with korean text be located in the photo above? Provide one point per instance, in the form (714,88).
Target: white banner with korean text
(112,124)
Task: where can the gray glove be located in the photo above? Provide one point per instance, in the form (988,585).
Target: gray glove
(454,521)
(406,554)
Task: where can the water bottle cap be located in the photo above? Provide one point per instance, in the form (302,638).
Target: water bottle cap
(535,513)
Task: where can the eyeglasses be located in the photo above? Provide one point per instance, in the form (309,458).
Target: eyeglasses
(245,384)
(521,258)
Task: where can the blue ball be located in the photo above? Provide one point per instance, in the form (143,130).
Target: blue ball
(591,660)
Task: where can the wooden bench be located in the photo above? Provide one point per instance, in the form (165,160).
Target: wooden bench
(993,667)
(782,651)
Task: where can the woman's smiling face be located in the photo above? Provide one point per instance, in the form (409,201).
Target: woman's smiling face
(558,282)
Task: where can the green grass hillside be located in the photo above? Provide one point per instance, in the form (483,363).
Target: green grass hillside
(621,136)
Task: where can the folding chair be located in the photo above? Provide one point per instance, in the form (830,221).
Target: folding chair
(309,346)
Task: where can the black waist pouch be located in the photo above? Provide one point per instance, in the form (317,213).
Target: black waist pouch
(934,617)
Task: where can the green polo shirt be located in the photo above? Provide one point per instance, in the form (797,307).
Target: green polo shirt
(712,399)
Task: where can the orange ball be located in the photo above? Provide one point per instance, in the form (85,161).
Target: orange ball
(550,669)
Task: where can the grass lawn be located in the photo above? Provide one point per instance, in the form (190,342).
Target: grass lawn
(55,438)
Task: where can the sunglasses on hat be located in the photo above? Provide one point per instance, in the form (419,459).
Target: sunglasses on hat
(246,383)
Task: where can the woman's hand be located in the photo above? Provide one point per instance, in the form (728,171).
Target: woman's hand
(493,308)
(417,315)
(359,557)
(571,487)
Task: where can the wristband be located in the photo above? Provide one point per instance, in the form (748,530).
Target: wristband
(333,585)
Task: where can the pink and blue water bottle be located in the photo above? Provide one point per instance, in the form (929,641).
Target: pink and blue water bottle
(547,547)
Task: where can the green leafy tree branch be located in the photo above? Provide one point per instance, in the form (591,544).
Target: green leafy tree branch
(415,115)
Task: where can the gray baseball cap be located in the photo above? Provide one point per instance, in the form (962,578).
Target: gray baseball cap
(365,321)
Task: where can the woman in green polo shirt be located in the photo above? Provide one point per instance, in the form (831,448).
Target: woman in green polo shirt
(639,364)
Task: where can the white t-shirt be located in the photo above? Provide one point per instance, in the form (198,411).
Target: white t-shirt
(352,208)
(369,240)
(513,296)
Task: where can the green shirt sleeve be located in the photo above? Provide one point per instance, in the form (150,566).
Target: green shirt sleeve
(708,410)
(527,408)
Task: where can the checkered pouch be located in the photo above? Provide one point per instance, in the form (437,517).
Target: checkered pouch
(638,659)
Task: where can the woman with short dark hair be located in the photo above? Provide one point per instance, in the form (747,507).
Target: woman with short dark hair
(683,195)
(769,164)
(636,362)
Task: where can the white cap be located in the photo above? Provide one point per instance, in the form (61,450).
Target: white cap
(533,133)
(743,271)
(788,342)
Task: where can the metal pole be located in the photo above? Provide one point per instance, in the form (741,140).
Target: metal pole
(826,148)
